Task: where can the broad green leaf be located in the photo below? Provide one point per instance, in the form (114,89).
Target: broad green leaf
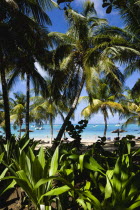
(81,161)
(73,157)
(25,164)
(68,171)
(88,205)
(22,160)
(11,185)
(82,203)
(56,191)
(134,205)
(3,173)
(129,148)
(22,175)
(93,165)
(116,175)
(95,201)
(1,156)
(28,189)
(54,163)
(94,162)
(42,181)
(108,187)
(87,186)
(25,144)
(31,155)
(37,170)
(9,177)
(41,157)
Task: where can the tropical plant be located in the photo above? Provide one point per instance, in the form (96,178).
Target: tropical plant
(14,43)
(18,110)
(106,3)
(77,51)
(75,132)
(36,177)
(123,45)
(101,99)
(130,103)
(133,113)
(27,67)
(47,108)
(75,180)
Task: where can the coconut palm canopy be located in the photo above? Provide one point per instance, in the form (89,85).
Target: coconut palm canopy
(73,59)
(78,55)
(102,98)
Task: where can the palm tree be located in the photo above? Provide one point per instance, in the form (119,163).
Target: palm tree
(26,67)
(47,108)
(13,39)
(133,114)
(131,104)
(18,110)
(124,45)
(101,100)
(77,54)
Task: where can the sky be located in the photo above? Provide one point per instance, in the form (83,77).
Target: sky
(59,24)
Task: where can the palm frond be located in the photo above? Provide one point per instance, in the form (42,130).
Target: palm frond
(136,89)
(114,105)
(88,8)
(13,78)
(84,99)
(131,68)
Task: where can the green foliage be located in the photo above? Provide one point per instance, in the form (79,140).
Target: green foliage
(13,148)
(122,144)
(75,131)
(75,179)
(113,3)
(35,175)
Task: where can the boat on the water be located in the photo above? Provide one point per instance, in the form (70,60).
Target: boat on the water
(117,125)
(33,126)
(38,128)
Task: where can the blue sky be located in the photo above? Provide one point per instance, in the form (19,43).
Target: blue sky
(59,24)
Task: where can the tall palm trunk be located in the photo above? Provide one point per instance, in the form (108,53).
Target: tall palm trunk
(74,104)
(51,124)
(20,125)
(61,114)
(27,103)
(6,104)
(105,120)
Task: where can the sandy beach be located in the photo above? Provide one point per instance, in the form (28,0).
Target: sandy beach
(87,142)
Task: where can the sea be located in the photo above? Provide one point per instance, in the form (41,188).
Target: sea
(91,132)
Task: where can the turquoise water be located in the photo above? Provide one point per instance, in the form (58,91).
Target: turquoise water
(90,132)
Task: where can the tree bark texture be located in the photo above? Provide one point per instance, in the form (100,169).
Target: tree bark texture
(6,104)
(105,130)
(27,104)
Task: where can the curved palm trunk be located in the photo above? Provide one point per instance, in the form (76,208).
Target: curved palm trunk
(105,130)
(74,104)
(27,103)
(6,104)
(61,114)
